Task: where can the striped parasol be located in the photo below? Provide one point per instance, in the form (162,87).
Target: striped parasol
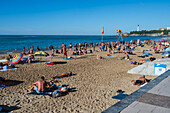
(17,58)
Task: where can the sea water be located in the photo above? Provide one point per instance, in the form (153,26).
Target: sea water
(8,43)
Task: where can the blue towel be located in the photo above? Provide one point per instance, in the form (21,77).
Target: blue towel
(61,77)
(2,86)
(7,69)
(65,57)
(108,56)
(35,93)
(120,96)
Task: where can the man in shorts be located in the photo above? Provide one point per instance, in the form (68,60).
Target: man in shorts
(64,51)
(39,86)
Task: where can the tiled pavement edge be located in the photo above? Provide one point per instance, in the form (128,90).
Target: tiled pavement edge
(118,107)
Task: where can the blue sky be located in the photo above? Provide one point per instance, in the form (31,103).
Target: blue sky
(81,17)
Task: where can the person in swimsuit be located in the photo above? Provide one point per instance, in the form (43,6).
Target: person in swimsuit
(29,59)
(70,47)
(102,46)
(23,49)
(85,45)
(62,75)
(99,57)
(39,86)
(38,49)
(140,81)
(64,51)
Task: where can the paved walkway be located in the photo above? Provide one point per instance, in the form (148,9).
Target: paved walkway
(152,98)
(156,100)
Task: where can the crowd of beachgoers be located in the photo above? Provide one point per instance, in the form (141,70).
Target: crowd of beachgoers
(96,70)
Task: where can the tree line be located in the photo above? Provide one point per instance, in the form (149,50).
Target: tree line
(165,32)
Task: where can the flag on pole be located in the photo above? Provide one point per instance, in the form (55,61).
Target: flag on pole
(102,30)
(162,32)
(119,30)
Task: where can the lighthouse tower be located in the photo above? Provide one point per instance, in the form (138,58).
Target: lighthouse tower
(138,28)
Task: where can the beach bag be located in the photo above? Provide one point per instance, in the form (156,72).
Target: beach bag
(56,93)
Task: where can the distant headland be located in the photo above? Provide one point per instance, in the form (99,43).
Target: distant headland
(160,32)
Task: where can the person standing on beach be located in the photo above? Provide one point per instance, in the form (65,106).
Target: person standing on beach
(102,46)
(31,51)
(112,44)
(86,45)
(70,47)
(23,49)
(38,49)
(110,47)
(64,51)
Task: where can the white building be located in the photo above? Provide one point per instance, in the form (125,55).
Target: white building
(138,28)
(162,29)
(168,33)
(168,28)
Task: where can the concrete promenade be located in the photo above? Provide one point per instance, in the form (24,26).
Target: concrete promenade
(152,98)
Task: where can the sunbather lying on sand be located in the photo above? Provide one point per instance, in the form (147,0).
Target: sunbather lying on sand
(52,84)
(140,81)
(135,63)
(7,66)
(62,75)
(99,57)
(150,59)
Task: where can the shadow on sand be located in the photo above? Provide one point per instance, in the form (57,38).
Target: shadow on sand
(7,109)
(11,82)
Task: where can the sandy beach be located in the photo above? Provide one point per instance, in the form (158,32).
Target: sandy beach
(92,86)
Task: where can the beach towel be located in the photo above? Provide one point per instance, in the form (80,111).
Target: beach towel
(3,60)
(62,77)
(52,55)
(7,69)
(108,56)
(49,63)
(65,57)
(35,93)
(120,96)
(121,51)
(143,84)
(2,86)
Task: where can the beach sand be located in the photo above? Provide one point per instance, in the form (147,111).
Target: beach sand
(94,84)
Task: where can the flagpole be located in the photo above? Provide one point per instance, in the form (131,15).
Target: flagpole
(102,37)
(102,33)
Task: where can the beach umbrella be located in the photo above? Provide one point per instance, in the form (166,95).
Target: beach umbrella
(17,58)
(146,53)
(167,49)
(40,53)
(162,40)
(166,53)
